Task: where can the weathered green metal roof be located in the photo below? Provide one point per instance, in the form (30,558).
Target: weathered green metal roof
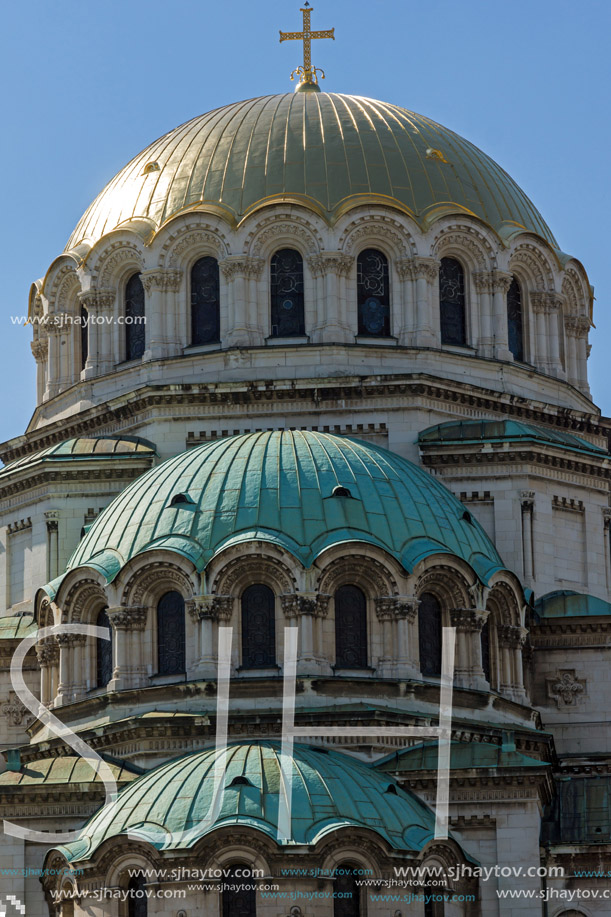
(16,627)
(326,151)
(463,756)
(278,487)
(330,790)
(62,770)
(85,447)
(567,604)
(505,431)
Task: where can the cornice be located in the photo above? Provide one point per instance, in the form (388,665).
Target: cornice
(106,471)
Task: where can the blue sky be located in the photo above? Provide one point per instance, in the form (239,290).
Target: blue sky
(88,85)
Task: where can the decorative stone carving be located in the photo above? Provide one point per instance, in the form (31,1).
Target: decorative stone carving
(305,603)
(40,350)
(116,257)
(566,689)
(415,268)
(285,228)
(150,578)
(511,636)
(577,326)
(239,265)
(124,617)
(389,607)
(467,620)
(15,712)
(371,228)
(166,281)
(325,262)
(47,653)
(527,500)
(65,640)
(52,520)
(195,239)
(211,607)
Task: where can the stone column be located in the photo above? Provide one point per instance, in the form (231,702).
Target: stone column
(570,327)
(100,357)
(306,608)
(243,327)
(48,657)
(397,616)
(40,351)
(501,281)
(607,544)
(157,285)
(331,322)
(527,504)
(468,670)
(127,623)
(539,303)
(510,639)
(424,274)
(71,682)
(52,522)
(208,611)
(56,332)
(582,328)
(484,284)
(554,303)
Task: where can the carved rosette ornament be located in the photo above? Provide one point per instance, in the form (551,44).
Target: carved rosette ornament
(393,607)
(566,689)
(296,604)
(323,263)
(128,617)
(15,712)
(210,607)
(418,268)
(468,620)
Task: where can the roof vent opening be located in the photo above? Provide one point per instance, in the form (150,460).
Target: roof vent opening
(151,167)
(182,500)
(239,781)
(392,789)
(339,491)
(319,750)
(467,517)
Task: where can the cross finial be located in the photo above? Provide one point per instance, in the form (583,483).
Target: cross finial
(308,79)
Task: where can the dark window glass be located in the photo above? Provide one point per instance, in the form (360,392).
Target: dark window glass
(373,293)
(429,634)
(452,301)
(239,896)
(514,321)
(205,322)
(347,894)
(486,649)
(136,902)
(433,908)
(134,315)
(258,627)
(84,337)
(350,628)
(287,293)
(171,634)
(103,653)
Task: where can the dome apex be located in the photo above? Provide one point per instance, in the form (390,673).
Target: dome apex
(327,151)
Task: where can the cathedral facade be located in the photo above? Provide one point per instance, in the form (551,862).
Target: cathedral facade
(312,372)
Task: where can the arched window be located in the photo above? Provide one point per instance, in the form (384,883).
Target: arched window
(137,905)
(433,907)
(84,336)
(452,302)
(103,653)
(429,634)
(239,895)
(134,318)
(350,628)
(205,321)
(287,293)
(373,293)
(258,627)
(171,634)
(486,650)
(347,894)
(515,327)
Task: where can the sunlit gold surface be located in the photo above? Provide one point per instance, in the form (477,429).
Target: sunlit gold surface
(307,72)
(325,150)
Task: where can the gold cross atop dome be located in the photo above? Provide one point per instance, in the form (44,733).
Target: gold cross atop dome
(308,79)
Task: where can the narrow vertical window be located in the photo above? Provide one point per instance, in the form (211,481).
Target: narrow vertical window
(350,628)
(452,302)
(515,327)
(239,895)
(171,634)
(84,336)
(103,652)
(346,892)
(486,650)
(429,634)
(137,905)
(258,627)
(205,321)
(373,294)
(287,304)
(134,318)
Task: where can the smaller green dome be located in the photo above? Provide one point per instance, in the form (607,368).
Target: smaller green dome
(168,807)
(301,490)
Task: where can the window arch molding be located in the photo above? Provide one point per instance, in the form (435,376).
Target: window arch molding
(232,572)
(375,576)
(144,579)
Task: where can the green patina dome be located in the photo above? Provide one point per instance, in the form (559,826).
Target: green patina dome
(168,807)
(279,487)
(325,150)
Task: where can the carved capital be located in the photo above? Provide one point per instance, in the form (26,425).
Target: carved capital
(47,653)
(501,281)
(418,268)
(295,604)
(527,500)
(52,520)
(40,349)
(606,511)
(468,620)
(484,281)
(58,323)
(241,266)
(97,300)
(164,281)
(65,640)
(127,617)
(210,607)
(389,607)
(511,636)
(323,263)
